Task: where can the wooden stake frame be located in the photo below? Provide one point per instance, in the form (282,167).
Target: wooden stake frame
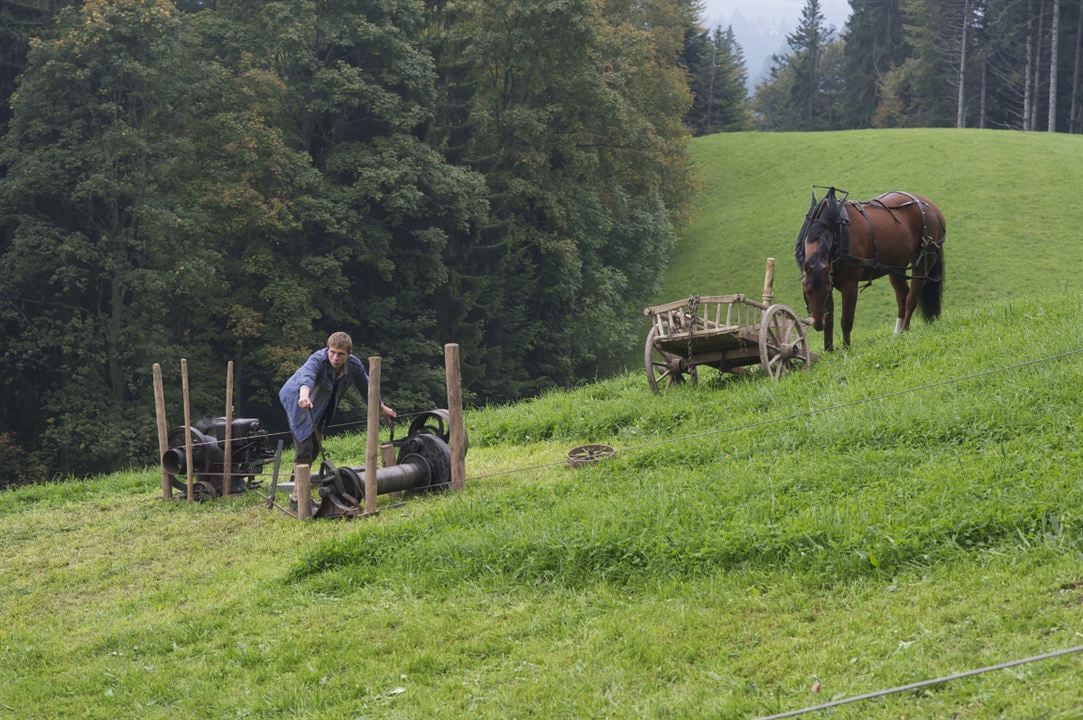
(455,413)
(374,450)
(227,461)
(163,429)
(372,435)
(187,429)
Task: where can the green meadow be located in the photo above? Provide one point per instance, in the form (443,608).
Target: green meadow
(910,508)
(1013,226)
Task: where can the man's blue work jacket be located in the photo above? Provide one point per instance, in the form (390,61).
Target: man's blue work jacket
(325,390)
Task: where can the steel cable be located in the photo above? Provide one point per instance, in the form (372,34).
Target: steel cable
(753,424)
(283,433)
(925,683)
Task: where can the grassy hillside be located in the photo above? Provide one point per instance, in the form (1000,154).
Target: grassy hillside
(863,525)
(1013,226)
(909,508)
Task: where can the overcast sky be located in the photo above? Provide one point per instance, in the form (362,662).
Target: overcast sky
(761,26)
(720,11)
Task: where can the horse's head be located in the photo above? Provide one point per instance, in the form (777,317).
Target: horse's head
(813,254)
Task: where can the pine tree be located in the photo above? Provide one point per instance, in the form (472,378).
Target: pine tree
(808,43)
(719,85)
(805,87)
(923,91)
(874,46)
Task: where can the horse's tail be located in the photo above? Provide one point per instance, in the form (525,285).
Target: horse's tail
(932,292)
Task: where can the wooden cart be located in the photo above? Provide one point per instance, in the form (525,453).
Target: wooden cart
(727,332)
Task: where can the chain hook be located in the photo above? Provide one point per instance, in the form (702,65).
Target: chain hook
(693,307)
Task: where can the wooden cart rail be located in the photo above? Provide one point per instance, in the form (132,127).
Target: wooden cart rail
(727,332)
(705,315)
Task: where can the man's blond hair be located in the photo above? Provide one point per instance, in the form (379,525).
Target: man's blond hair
(340,341)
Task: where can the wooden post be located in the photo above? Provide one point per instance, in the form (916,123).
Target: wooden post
(387,459)
(227,462)
(302,488)
(163,430)
(455,411)
(372,435)
(187,429)
(769,282)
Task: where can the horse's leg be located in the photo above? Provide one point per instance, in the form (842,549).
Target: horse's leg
(849,305)
(912,300)
(829,323)
(902,302)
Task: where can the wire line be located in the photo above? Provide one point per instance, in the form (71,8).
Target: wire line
(925,683)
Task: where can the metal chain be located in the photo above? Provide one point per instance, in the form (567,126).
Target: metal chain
(693,306)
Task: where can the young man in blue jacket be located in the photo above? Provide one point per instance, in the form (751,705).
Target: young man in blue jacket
(312,393)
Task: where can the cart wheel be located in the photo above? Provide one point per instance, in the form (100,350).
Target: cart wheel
(589,454)
(664,368)
(783,345)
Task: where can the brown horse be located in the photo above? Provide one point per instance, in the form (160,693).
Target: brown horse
(843,242)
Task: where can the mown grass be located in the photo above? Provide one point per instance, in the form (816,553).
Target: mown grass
(909,508)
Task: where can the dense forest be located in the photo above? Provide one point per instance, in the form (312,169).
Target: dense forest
(1008,64)
(233,180)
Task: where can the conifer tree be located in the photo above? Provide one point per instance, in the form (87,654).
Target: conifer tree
(807,43)
(804,87)
(874,45)
(719,84)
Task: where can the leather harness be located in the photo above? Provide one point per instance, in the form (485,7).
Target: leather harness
(840,251)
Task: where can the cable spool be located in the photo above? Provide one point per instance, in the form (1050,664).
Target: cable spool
(423,465)
(434,422)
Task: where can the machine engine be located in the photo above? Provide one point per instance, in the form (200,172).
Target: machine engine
(250,451)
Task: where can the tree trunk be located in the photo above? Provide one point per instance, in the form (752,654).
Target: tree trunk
(1027,69)
(960,112)
(1036,85)
(984,89)
(1073,115)
(708,128)
(1054,46)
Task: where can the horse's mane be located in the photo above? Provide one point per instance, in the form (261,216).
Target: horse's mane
(823,216)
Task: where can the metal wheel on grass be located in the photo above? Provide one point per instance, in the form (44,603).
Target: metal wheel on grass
(664,368)
(203,490)
(783,344)
(589,454)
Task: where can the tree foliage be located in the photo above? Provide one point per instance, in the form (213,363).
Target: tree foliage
(802,87)
(573,117)
(234,180)
(718,79)
(96,228)
(977,63)
(873,48)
